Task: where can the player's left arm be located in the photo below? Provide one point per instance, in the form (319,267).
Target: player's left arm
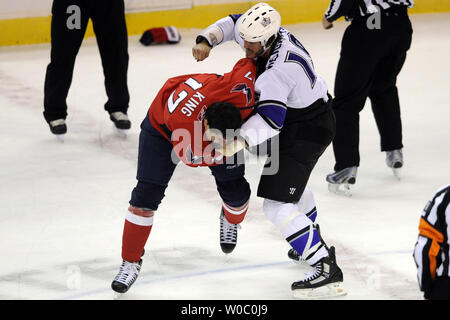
(274,87)
(233,147)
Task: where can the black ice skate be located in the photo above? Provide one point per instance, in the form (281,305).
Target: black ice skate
(325,281)
(127,275)
(228,234)
(341,181)
(59,128)
(121,122)
(394,160)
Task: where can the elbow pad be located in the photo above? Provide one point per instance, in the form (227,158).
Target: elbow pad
(213,35)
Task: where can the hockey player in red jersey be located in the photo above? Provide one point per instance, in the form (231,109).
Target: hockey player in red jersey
(191,116)
(181,104)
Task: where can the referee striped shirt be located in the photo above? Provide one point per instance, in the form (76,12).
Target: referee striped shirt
(339,8)
(431,252)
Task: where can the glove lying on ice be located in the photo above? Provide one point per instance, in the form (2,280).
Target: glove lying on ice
(160,35)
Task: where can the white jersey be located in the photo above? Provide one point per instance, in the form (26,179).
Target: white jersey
(288,81)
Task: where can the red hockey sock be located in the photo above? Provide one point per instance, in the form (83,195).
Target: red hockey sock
(137,227)
(235,215)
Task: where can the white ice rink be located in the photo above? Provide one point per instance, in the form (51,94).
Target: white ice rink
(62,205)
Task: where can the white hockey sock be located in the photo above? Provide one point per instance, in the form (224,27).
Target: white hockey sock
(307,204)
(296,227)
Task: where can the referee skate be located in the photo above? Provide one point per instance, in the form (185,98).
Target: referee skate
(342,181)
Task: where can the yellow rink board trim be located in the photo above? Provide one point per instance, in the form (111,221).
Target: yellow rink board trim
(37,30)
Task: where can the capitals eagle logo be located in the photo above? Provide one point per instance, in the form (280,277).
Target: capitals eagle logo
(242,87)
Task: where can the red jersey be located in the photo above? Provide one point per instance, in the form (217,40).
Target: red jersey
(178,110)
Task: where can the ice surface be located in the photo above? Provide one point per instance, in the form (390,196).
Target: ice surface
(62,205)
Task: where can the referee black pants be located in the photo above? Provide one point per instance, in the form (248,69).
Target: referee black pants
(108,19)
(369,64)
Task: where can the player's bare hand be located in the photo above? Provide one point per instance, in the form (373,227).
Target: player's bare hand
(231,148)
(201,51)
(326,24)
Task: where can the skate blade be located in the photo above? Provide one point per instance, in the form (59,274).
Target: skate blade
(60,137)
(397,173)
(120,132)
(343,189)
(117,295)
(332,290)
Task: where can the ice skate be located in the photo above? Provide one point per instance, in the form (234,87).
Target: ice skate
(228,234)
(122,133)
(341,182)
(127,275)
(394,160)
(121,122)
(324,281)
(58,128)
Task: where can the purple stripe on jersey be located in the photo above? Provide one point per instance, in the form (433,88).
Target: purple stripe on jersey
(294,57)
(275,113)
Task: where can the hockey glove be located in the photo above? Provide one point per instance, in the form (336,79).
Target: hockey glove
(160,35)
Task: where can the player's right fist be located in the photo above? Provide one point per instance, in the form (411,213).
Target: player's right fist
(201,51)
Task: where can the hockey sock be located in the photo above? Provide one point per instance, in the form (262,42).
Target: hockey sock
(308,244)
(235,215)
(307,204)
(298,230)
(137,227)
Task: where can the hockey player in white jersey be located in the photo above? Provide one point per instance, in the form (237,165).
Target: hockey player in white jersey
(294,108)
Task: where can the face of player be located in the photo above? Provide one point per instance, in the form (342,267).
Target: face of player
(253,49)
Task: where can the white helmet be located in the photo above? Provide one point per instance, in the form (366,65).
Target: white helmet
(259,24)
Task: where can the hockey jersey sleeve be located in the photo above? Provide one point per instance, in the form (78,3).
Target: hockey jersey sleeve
(338,8)
(221,31)
(274,87)
(431,242)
